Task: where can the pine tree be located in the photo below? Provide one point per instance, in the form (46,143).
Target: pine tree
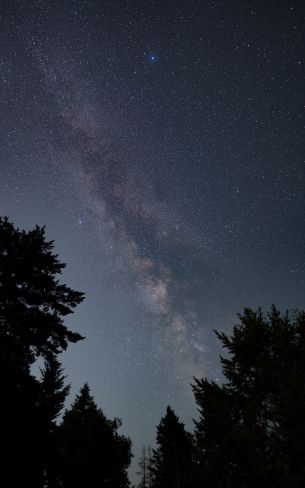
(251,429)
(145,468)
(32,301)
(94,454)
(171,463)
(53,393)
(53,390)
(33,305)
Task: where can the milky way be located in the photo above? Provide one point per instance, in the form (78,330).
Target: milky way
(162,144)
(151,237)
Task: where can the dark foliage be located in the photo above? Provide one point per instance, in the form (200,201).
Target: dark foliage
(145,472)
(93,453)
(53,393)
(171,463)
(86,449)
(32,301)
(32,306)
(251,430)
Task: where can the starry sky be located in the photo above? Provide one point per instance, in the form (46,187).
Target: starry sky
(162,145)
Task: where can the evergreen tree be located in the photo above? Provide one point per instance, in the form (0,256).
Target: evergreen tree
(171,463)
(145,468)
(53,390)
(32,301)
(251,429)
(33,305)
(53,393)
(94,454)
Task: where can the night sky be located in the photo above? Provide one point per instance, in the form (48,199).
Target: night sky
(162,145)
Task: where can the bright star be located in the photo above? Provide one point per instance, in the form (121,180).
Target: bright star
(152,58)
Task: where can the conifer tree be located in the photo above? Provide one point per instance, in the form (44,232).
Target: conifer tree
(145,468)
(53,393)
(251,429)
(94,453)
(171,462)
(33,304)
(53,390)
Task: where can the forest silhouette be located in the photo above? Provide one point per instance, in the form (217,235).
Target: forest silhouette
(250,430)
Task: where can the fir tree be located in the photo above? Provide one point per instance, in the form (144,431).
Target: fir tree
(33,305)
(32,301)
(251,429)
(94,454)
(171,463)
(53,393)
(145,468)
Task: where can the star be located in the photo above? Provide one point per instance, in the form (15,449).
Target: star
(152,57)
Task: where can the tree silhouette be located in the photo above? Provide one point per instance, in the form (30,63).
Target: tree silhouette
(32,301)
(94,454)
(251,429)
(53,390)
(145,468)
(33,305)
(171,463)
(53,393)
